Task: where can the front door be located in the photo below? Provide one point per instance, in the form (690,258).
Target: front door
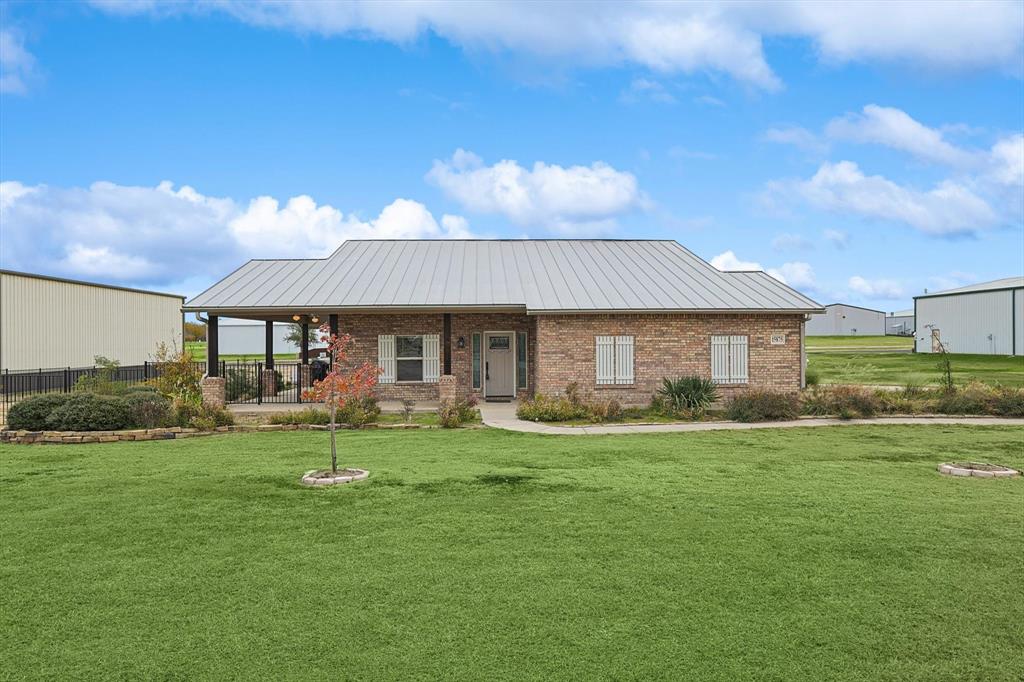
(499,364)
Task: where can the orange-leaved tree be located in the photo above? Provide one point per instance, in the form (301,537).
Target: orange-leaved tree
(342,384)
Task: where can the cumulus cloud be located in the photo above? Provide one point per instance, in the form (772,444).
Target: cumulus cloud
(896,129)
(646,89)
(878,289)
(662,37)
(569,200)
(948,208)
(796,274)
(17,65)
(157,235)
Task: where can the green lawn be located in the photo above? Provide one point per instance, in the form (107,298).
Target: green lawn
(198,351)
(897,369)
(828,553)
(885,342)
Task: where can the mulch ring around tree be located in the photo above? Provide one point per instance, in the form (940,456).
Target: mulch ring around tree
(318,477)
(977,469)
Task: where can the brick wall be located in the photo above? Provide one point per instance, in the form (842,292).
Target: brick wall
(664,346)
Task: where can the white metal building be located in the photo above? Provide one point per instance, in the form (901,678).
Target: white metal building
(986,318)
(249,337)
(50,322)
(900,323)
(840,319)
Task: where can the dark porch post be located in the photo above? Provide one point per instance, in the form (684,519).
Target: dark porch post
(333,321)
(269,350)
(304,345)
(212,348)
(447,344)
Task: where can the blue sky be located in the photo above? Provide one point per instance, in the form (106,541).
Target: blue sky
(859,155)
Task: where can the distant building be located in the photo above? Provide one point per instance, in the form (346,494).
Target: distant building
(840,319)
(986,318)
(51,322)
(249,337)
(900,323)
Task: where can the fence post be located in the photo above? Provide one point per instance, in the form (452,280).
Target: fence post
(67,379)
(298,383)
(145,370)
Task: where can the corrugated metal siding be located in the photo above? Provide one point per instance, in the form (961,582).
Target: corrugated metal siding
(542,275)
(966,321)
(847,320)
(1018,318)
(251,339)
(49,323)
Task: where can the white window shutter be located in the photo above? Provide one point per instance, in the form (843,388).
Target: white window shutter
(624,360)
(738,359)
(605,349)
(386,358)
(431,358)
(720,359)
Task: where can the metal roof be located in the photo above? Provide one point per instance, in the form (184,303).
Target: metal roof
(83,283)
(994,285)
(557,275)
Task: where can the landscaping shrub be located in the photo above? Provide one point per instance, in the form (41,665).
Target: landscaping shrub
(90,412)
(691,394)
(30,414)
(605,410)
(177,376)
(817,402)
(1008,402)
(310,415)
(759,406)
(454,413)
(812,377)
(895,402)
(974,398)
(202,417)
(358,411)
(543,408)
(854,401)
(102,380)
(148,409)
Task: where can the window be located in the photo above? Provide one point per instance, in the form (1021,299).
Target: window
(520,359)
(614,359)
(497,342)
(476,360)
(409,358)
(729,359)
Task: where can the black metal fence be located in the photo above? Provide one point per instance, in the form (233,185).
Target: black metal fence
(245,382)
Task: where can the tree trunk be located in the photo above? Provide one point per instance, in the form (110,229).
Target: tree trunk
(334,448)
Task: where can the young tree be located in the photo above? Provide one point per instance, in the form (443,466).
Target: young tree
(294,335)
(341,384)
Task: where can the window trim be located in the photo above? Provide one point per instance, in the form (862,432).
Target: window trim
(421,358)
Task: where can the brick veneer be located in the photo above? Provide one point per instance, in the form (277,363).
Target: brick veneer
(665,345)
(560,349)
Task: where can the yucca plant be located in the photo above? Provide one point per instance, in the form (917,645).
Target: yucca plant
(691,394)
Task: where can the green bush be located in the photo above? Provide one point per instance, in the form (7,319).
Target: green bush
(1008,402)
(30,414)
(199,416)
(759,406)
(455,413)
(605,410)
(358,412)
(310,415)
(847,402)
(102,380)
(543,408)
(90,412)
(895,402)
(974,398)
(692,394)
(812,377)
(148,409)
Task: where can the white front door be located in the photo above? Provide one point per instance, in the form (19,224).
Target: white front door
(499,364)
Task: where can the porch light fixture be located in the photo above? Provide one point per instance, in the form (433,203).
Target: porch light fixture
(461,342)
(296,318)
(314,319)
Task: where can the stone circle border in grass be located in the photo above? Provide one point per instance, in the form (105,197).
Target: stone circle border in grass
(319,477)
(977,469)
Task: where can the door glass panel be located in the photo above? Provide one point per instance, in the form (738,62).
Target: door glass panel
(498,343)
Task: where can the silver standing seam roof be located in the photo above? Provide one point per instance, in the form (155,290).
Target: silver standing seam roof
(540,275)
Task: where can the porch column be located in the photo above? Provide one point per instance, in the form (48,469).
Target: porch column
(212,385)
(269,377)
(304,376)
(333,321)
(447,366)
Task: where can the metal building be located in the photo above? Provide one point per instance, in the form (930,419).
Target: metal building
(50,322)
(986,318)
(900,323)
(249,337)
(841,319)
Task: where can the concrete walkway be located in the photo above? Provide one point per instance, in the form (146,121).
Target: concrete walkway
(503,416)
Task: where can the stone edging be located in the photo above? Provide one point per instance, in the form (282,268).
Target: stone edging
(951,469)
(309,479)
(74,437)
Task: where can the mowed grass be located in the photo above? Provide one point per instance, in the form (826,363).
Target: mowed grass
(886,342)
(828,553)
(899,369)
(197,349)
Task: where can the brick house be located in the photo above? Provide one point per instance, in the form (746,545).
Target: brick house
(502,319)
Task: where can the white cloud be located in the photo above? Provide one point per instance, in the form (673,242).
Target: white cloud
(157,235)
(663,37)
(796,274)
(796,136)
(1007,162)
(948,208)
(572,200)
(837,238)
(886,289)
(708,100)
(895,128)
(791,242)
(17,65)
(645,88)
